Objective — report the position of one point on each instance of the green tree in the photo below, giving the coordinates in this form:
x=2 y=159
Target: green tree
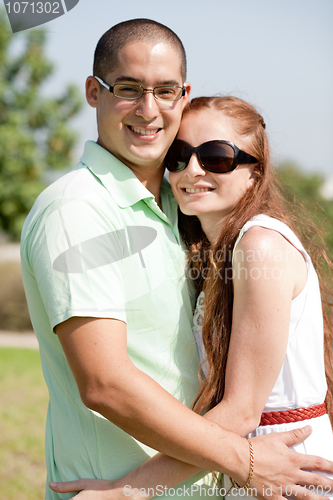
x=34 y=132
x=315 y=216
x=304 y=192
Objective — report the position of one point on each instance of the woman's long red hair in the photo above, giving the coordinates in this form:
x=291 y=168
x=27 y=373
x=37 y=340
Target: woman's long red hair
x=208 y=266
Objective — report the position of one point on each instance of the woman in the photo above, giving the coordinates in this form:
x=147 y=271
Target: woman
x=258 y=321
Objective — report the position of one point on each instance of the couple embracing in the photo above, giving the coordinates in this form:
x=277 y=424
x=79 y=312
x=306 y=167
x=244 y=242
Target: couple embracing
x=129 y=371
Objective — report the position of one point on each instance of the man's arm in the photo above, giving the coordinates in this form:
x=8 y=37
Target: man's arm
x=110 y=384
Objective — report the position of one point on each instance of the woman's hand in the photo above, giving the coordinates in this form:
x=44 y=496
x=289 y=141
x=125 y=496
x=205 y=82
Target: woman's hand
x=98 y=489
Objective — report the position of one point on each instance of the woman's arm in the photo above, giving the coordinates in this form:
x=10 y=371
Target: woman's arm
x=268 y=272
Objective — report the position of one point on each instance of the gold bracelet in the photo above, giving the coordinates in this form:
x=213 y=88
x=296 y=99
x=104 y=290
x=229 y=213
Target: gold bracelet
x=247 y=484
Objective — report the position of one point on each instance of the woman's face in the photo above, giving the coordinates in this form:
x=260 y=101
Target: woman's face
x=211 y=197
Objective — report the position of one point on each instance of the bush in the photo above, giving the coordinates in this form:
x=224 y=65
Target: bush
x=14 y=315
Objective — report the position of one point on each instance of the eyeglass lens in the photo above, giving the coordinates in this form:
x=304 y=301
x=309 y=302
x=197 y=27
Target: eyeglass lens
x=164 y=93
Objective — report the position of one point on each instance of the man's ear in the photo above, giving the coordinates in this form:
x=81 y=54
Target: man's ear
x=186 y=98
x=92 y=91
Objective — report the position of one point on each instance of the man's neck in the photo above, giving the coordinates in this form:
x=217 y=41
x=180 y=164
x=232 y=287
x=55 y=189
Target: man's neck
x=150 y=177
x=152 y=181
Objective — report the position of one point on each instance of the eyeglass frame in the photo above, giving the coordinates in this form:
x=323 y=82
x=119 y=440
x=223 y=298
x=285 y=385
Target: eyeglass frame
x=111 y=87
x=240 y=157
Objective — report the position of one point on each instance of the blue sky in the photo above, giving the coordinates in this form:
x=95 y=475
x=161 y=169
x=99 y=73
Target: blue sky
x=277 y=54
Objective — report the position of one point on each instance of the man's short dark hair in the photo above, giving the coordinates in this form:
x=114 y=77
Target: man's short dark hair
x=134 y=30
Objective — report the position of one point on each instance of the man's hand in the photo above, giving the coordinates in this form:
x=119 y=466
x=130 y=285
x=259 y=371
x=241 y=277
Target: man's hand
x=280 y=471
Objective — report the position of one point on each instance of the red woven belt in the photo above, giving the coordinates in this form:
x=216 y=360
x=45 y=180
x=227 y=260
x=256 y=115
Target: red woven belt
x=283 y=417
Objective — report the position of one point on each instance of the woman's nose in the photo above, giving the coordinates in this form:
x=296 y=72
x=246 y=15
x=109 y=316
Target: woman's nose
x=194 y=167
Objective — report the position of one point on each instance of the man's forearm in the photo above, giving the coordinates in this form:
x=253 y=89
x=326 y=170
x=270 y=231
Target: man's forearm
x=137 y=404
x=167 y=472
x=133 y=401
x=150 y=414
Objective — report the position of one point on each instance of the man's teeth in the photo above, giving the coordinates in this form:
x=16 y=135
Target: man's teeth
x=143 y=131
x=203 y=190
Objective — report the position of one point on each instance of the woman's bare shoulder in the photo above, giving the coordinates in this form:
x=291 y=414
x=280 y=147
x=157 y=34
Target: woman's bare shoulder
x=267 y=244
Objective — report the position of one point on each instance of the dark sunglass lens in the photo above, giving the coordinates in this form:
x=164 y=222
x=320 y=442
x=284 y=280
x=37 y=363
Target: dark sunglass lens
x=176 y=165
x=217 y=157
x=178 y=156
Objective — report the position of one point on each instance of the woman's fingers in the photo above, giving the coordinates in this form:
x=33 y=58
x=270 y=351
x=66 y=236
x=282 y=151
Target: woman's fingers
x=67 y=487
x=90 y=487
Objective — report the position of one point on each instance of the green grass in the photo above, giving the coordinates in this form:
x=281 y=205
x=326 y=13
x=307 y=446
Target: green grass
x=23 y=406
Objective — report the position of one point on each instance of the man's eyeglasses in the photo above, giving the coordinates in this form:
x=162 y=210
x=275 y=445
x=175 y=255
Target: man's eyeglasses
x=132 y=92
x=219 y=157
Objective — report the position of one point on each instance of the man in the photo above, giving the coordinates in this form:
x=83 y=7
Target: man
x=103 y=268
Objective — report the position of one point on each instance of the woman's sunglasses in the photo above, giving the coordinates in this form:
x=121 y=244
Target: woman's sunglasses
x=219 y=157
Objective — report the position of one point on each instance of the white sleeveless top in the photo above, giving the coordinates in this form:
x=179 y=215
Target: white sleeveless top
x=301 y=381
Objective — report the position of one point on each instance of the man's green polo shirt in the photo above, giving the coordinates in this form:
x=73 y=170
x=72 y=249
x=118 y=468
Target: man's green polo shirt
x=96 y=244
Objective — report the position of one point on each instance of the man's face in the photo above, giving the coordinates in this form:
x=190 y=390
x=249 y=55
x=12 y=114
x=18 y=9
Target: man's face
x=139 y=132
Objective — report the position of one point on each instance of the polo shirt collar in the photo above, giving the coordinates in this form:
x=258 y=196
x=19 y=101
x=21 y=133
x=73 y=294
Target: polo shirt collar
x=117 y=178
